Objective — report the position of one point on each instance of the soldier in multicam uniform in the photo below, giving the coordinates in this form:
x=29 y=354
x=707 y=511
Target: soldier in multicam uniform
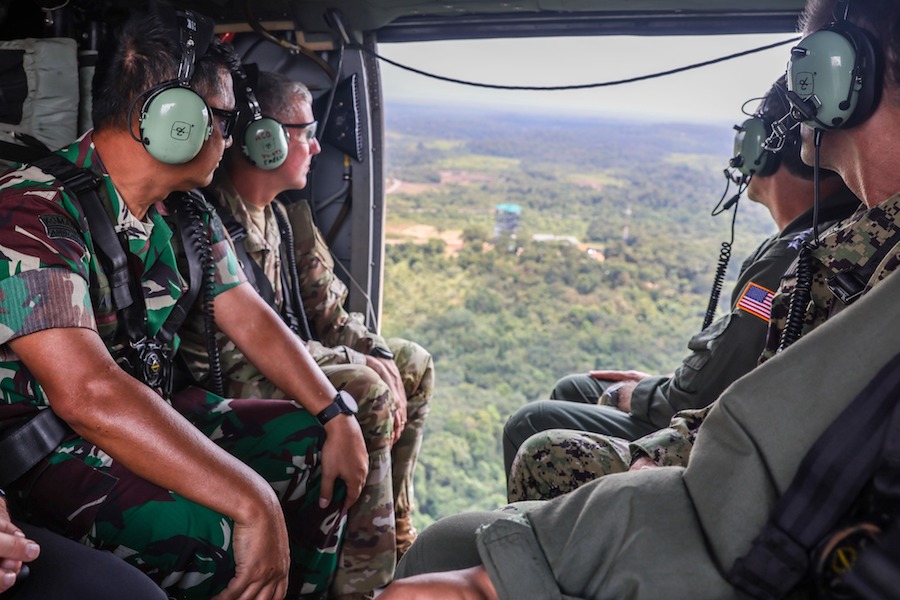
x=160 y=481
x=388 y=391
x=556 y=461
x=637 y=534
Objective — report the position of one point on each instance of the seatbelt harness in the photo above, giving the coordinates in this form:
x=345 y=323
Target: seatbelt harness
x=25 y=446
x=829 y=480
x=293 y=313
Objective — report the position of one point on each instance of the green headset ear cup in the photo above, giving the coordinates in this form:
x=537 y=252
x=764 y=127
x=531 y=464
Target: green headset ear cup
x=175 y=122
x=841 y=68
x=750 y=154
x=870 y=70
x=265 y=143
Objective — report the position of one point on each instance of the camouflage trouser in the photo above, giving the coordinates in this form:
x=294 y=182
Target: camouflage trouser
x=183 y=546
x=417 y=370
x=557 y=461
x=368 y=554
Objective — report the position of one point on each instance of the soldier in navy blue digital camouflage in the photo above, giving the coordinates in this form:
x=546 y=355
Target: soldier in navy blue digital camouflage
x=210 y=497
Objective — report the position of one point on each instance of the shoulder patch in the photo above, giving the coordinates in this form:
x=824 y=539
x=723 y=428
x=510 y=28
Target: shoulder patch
x=756 y=300
x=59 y=227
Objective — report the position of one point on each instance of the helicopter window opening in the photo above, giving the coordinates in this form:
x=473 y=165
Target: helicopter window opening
x=581 y=86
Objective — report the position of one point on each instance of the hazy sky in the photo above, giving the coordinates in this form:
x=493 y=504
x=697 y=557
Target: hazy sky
x=713 y=93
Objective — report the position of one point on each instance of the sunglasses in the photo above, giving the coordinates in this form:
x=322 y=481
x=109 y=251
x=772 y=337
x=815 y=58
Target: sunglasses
x=226 y=120
x=309 y=129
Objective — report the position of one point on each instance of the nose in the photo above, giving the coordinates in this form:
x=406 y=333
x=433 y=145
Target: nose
x=315 y=147
x=229 y=141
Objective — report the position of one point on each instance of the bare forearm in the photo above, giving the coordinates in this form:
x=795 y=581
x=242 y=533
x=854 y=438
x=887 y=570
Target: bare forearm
x=136 y=427
x=269 y=345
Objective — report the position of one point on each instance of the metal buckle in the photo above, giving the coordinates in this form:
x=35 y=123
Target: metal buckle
x=153 y=365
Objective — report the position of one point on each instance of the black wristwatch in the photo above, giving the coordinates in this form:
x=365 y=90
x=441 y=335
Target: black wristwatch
x=382 y=353
x=343 y=404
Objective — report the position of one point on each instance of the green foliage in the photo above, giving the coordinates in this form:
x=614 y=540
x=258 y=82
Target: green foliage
x=504 y=322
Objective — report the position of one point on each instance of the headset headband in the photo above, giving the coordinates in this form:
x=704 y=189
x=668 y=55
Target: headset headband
x=195 y=33
x=247 y=76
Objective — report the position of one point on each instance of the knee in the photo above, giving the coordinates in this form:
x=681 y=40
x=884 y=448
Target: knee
x=416 y=367
x=376 y=417
x=565 y=387
x=184 y=545
x=521 y=425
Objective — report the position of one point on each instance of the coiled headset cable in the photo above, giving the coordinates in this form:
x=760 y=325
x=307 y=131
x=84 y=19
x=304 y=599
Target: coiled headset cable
x=802 y=292
x=725 y=251
x=202 y=248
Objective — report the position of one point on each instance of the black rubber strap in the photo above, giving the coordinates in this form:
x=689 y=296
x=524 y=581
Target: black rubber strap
x=26 y=445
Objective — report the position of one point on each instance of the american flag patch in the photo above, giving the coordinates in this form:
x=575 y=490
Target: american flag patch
x=757 y=301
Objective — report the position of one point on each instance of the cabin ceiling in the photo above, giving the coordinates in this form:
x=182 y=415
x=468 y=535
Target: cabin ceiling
x=417 y=20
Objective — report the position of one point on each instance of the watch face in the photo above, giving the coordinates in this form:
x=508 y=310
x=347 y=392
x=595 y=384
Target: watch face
x=349 y=403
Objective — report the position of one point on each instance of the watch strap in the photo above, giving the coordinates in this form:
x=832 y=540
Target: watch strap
x=338 y=406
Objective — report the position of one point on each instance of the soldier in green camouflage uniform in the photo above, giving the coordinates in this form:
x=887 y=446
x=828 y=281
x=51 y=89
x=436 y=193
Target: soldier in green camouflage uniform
x=556 y=461
x=369 y=552
x=160 y=481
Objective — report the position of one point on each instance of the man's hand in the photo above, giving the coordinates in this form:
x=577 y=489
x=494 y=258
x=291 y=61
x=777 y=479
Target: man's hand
x=390 y=374
x=261 y=556
x=629 y=381
x=343 y=456
x=467 y=584
x=285 y=361
x=644 y=462
x=15 y=549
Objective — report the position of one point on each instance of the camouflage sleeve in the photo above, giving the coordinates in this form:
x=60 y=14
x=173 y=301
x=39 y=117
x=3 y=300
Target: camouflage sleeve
x=339 y=355
x=671 y=447
x=322 y=291
x=44 y=265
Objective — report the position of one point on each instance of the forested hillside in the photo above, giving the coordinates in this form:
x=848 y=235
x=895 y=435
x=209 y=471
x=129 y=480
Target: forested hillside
x=505 y=318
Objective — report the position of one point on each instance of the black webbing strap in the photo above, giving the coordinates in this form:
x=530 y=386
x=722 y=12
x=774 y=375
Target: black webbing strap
x=849 y=285
x=828 y=482
x=255 y=275
x=294 y=311
x=26 y=445
x=83 y=183
x=18 y=153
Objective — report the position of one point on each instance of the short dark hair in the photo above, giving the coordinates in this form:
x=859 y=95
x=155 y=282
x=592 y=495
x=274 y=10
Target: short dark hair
x=144 y=52
x=881 y=18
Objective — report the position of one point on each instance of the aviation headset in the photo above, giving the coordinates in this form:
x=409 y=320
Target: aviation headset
x=264 y=140
x=835 y=74
x=753 y=155
x=174 y=120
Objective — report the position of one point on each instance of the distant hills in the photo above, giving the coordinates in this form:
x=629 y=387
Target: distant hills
x=505 y=318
